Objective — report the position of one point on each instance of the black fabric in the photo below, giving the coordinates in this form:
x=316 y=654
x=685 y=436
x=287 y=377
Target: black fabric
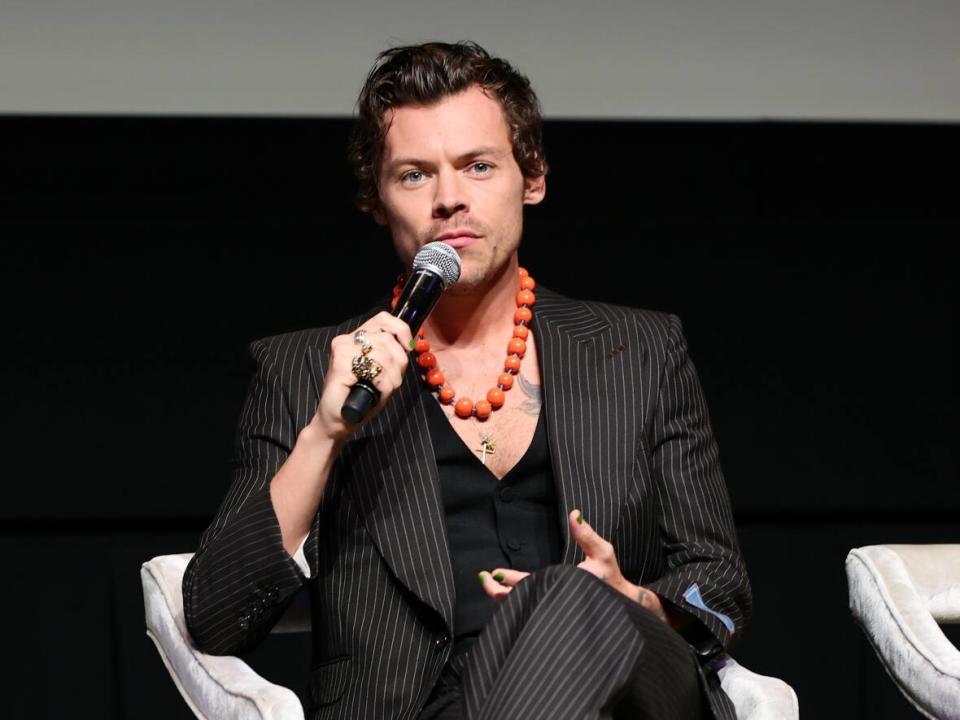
x=446 y=700
x=491 y=523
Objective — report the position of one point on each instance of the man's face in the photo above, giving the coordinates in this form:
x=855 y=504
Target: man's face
x=448 y=173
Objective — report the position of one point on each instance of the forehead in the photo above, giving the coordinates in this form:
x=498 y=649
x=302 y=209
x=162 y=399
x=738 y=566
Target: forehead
x=451 y=126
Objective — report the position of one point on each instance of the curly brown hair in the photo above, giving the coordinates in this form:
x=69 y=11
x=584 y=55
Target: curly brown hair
x=425 y=74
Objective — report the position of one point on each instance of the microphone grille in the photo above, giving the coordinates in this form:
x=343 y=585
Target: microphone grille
x=440 y=259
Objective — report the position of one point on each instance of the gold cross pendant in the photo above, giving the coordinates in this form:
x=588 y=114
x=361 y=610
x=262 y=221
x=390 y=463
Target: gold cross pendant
x=487 y=447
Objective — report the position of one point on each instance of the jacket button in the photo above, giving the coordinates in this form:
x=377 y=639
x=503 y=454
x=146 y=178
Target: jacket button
x=506 y=494
x=440 y=643
x=514 y=544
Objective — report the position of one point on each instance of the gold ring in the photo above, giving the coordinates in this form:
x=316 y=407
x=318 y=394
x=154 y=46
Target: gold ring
x=366 y=368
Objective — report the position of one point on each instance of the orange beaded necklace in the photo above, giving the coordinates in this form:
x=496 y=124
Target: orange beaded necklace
x=464 y=407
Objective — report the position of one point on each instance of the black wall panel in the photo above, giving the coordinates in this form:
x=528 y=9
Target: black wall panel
x=811 y=263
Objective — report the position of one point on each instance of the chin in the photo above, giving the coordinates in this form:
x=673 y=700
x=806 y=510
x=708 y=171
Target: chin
x=472 y=278
x=465 y=286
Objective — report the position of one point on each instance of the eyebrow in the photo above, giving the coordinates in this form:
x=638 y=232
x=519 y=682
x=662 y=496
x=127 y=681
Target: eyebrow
x=475 y=152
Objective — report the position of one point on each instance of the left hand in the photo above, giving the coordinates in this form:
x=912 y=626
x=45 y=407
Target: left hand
x=601 y=562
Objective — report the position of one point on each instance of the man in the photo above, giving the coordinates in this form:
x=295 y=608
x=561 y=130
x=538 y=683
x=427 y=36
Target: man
x=587 y=459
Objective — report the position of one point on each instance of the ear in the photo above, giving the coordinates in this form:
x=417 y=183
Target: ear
x=534 y=189
x=378 y=215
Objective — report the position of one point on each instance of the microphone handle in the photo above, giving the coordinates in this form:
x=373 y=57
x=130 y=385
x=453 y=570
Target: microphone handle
x=419 y=296
x=362 y=397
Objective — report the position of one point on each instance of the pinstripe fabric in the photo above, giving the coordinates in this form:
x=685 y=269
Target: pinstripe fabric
x=630 y=444
x=566 y=645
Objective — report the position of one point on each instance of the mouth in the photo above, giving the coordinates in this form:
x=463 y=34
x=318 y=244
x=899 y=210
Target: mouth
x=457 y=238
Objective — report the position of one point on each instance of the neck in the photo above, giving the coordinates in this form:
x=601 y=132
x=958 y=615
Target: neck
x=472 y=317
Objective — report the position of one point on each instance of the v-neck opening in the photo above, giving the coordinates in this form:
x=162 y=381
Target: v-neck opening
x=524 y=459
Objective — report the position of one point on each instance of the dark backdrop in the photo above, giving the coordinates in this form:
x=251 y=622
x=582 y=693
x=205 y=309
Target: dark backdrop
x=811 y=264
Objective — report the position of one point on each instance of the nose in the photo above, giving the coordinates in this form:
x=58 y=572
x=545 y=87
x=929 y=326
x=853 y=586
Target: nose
x=450 y=197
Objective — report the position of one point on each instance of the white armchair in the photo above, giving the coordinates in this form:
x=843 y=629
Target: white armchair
x=226 y=687
x=898 y=595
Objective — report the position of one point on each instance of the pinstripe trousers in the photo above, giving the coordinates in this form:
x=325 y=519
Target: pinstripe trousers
x=566 y=645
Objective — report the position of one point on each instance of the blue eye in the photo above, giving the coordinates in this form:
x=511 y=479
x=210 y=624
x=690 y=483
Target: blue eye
x=412 y=176
x=481 y=168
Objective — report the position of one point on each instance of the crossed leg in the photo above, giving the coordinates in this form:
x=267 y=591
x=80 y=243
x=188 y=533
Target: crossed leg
x=566 y=645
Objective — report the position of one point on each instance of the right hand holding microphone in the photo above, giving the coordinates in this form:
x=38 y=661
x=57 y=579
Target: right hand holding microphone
x=436 y=266
x=366 y=367
x=382 y=341
x=299 y=484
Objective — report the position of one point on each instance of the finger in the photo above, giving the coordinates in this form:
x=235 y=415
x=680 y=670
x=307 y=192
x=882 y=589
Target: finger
x=386 y=347
x=384 y=350
x=651 y=601
x=342 y=350
x=595 y=568
x=648 y=599
x=391 y=325
x=593 y=545
x=387 y=382
x=493 y=588
x=508 y=577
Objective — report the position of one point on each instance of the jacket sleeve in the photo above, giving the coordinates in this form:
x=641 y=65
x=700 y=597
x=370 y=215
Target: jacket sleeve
x=241 y=578
x=705 y=575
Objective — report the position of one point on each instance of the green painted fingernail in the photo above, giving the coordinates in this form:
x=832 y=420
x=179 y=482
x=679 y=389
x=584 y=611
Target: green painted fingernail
x=480 y=577
x=579 y=518
x=413 y=343
x=499 y=577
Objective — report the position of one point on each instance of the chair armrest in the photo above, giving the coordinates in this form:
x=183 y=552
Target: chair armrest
x=935 y=573
x=893 y=590
x=757 y=697
x=213 y=686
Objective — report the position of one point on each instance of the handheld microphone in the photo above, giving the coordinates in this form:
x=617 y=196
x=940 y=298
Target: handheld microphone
x=435 y=268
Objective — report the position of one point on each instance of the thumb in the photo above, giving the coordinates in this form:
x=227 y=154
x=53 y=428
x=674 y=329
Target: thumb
x=592 y=544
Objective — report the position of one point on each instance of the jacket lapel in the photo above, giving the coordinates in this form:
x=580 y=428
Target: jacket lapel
x=395 y=480
x=591 y=446
x=396 y=486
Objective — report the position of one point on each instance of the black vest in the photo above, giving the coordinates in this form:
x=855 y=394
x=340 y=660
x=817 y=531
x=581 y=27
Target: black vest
x=509 y=523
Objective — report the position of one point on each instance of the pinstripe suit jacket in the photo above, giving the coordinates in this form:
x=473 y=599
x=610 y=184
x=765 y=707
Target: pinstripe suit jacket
x=630 y=443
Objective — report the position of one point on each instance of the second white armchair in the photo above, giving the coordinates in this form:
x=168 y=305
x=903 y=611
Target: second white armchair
x=900 y=594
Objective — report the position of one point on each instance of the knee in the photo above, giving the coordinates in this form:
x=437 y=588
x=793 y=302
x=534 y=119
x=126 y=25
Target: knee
x=553 y=574
x=560 y=576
